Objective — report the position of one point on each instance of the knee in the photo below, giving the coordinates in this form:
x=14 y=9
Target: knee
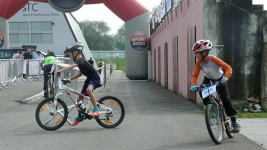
x=89 y=91
x=80 y=97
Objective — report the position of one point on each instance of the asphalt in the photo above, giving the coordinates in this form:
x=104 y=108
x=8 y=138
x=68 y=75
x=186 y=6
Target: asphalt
x=30 y=91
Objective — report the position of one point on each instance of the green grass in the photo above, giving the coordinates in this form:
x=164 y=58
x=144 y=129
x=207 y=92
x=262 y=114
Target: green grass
x=120 y=63
x=242 y=115
x=252 y=115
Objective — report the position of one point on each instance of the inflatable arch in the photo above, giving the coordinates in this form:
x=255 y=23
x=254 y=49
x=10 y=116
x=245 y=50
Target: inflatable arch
x=136 y=19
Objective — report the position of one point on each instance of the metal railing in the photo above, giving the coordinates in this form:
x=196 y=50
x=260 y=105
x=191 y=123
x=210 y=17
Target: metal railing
x=16 y=71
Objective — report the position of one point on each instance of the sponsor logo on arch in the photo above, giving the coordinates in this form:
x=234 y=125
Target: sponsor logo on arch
x=138 y=41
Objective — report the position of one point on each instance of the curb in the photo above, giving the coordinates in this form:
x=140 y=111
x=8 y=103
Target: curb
x=33 y=98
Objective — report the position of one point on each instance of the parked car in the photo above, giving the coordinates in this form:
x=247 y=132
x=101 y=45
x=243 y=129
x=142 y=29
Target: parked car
x=8 y=53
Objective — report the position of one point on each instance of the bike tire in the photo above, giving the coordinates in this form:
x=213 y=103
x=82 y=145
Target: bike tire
x=214 y=123
x=228 y=127
x=50 y=89
x=49 y=121
x=113 y=119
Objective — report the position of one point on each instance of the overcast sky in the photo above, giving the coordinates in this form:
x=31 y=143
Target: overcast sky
x=101 y=12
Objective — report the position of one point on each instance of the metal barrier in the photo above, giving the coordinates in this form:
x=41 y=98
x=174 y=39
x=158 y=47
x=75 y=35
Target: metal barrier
x=103 y=77
x=12 y=70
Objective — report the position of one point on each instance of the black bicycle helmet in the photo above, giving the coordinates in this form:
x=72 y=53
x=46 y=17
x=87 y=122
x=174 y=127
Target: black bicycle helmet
x=51 y=53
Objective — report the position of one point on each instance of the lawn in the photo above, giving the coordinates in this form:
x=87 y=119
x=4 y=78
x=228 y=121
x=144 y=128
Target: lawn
x=120 y=63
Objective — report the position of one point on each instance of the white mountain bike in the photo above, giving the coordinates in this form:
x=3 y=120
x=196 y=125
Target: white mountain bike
x=52 y=113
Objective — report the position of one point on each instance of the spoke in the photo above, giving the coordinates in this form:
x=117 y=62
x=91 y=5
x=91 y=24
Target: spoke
x=50 y=119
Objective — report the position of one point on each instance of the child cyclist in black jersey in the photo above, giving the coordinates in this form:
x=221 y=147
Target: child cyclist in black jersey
x=214 y=69
x=93 y=80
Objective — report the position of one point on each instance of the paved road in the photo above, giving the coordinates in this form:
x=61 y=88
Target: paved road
x=156 y=119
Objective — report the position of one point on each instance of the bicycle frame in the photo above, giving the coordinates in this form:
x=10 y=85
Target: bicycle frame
x=215 y=99
x=63 y=88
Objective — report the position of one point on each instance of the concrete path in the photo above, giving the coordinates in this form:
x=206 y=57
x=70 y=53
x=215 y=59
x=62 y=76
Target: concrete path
x=253 y=129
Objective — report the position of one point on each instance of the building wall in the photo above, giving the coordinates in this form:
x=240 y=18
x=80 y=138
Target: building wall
x=238 y=25
x=188 y=15
x=40 y=12
x=4 y=31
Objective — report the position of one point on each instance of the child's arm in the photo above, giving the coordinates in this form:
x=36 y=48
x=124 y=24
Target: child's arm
x=76 y=76
x=67 y=68
x=227 y=68
x=195 y=73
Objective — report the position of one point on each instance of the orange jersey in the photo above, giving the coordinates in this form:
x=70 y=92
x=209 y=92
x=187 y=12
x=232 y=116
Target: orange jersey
x=212 y=70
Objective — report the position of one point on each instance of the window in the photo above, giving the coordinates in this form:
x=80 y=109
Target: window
x=19 y=38
x=2 y=54
x=33 y=32
x=41 y=26
x=19 y=26
x=41 y=38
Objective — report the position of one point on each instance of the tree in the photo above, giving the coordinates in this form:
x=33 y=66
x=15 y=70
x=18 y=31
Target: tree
x=96 y=35
x=119 y=38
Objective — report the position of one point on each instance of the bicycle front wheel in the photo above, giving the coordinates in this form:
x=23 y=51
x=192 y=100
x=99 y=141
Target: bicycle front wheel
x=50 y=116
x=114 y=112
x=214 y=123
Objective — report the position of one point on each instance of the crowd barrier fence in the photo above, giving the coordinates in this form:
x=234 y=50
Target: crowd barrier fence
x=13 y=71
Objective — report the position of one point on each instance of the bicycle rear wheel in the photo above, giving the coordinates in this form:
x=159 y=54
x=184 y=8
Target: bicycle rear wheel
x=214 y=123
x=51 y=87
x=115 y=117
x=49 y=119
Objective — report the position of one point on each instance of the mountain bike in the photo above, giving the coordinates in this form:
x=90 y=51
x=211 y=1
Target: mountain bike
x=52 y=113
x=215 y=117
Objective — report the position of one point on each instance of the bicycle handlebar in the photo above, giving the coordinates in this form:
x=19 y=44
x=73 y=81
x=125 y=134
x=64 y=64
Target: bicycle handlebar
x=64 y=80
x=202 y=86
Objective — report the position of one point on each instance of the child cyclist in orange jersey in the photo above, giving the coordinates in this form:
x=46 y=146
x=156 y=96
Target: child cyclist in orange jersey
x=214 y=69
x=92 y=82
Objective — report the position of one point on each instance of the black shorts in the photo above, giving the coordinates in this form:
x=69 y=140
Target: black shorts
x=94 y=80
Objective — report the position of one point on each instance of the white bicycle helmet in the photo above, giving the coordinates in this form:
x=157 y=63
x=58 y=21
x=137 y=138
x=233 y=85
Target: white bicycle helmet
x=202 y=45
x=72 y=47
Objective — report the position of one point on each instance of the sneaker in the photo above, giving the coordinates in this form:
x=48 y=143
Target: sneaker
x=236 y=127
x=45 y=95
x=77 y=120
x=94 y=113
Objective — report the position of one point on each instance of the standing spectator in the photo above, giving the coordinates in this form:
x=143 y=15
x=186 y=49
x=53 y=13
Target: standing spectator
x=101 y=63
x=91 y=61
x=39 y=56
x=17 y=55
x=46 y=64
x=28 y=54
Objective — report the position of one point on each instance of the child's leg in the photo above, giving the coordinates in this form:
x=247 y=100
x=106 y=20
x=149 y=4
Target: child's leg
x=223 y=91
x=89 y=92
x=229 y=110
